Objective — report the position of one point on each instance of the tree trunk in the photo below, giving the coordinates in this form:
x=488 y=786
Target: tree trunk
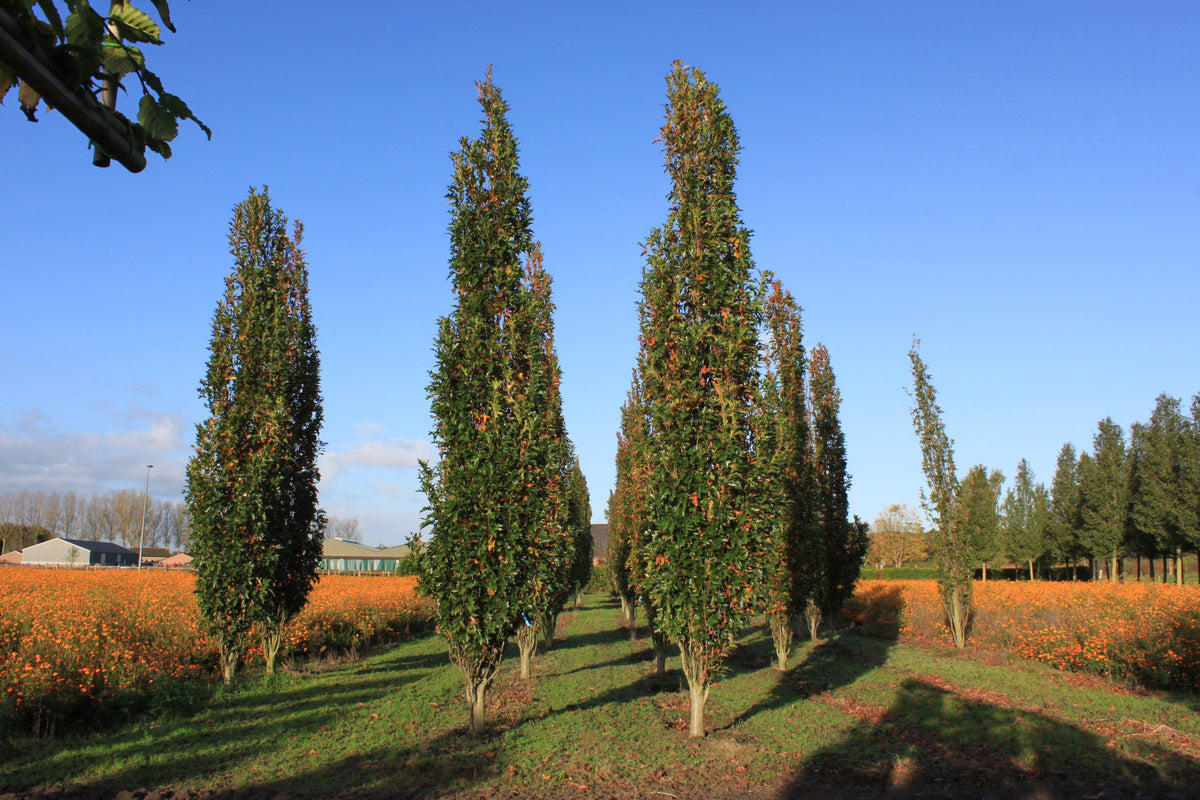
x=629 y=609
x=272 y=639
x=660 y=653
x=527 y=641
x=476 y=697
x=812 y=614
x=695 y=668
x=549 y=625
x=956 y=612
x=781 y=635
x=1150 y=561
x=985 y=572
x=1114 y=577
x=1179 y=565
x=229 y=658
x=1031 y=569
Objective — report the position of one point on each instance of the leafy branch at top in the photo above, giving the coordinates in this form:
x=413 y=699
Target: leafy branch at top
x=94 y=53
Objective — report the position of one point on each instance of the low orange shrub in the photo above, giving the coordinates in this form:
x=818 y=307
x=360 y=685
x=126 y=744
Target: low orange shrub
x=77 y=643
x=1149 y=633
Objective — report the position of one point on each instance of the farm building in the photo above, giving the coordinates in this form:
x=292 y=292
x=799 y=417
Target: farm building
x=153 y=556
x=339 y=555
x=177 y=560
x=599 y=541
x=11 y=557
x=78 y=552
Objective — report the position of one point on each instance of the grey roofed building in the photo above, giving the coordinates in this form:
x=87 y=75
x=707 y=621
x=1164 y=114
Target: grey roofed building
x=339 y=555
x=78 y=552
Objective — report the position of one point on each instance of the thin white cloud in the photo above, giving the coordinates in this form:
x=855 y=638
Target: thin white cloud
x=389 y=454
x=370 y=430
x=34 y=456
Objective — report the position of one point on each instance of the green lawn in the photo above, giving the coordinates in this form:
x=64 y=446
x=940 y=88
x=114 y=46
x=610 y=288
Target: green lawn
x=853 y=717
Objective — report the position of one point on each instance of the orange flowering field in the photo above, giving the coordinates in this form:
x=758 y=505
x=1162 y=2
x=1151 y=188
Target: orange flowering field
x=86 y=642
x=1149 y=633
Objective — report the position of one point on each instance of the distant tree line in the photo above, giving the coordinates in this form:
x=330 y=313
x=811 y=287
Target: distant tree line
x=1130 y=497
x=27 y=517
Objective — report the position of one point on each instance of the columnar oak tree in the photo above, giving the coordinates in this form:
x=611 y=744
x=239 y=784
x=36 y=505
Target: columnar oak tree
x=843 y=541
x=794 y=552
x=698 y=365
x=952 y=550
x=627 y=511
x=497 y=484
x=252 y=481
x=579 y=520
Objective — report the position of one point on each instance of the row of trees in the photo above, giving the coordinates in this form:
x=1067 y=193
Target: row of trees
x=1135 y=498
x=507 y=502
x=1138 y=498
x=31 y=516
x=731 y=495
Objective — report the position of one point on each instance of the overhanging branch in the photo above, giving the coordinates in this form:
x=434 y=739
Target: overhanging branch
x=106 y=130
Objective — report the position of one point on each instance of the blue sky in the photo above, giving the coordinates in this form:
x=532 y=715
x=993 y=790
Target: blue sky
x=1018 y=184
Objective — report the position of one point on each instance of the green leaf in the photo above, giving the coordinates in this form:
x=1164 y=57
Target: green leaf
x=134 y=25
x=158 y=121
x=181 y=111
x=164 y=11
x=52 y=16
x=162 y=148
x=85 y=28
x=123 y=60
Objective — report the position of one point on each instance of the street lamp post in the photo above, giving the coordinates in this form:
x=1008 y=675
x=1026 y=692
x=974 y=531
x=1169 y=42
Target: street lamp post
x=145 y=502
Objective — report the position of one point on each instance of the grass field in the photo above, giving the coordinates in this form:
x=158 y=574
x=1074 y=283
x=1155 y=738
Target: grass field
x=855 y=717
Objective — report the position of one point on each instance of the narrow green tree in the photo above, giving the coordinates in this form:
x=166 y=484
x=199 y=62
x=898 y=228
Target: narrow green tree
x=579 y=520
x=496 y=488
x=627 y=506
x=1104 y=492
x=1063 y=523
x=698 y=365
x=979 y=514
x=782 y=439
x=952 y=549
x=1162 y=506
x=1024 y=519
x=843 y=541
x=252 y=481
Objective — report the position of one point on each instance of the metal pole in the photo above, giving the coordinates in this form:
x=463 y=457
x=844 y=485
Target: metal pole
x=145 y=502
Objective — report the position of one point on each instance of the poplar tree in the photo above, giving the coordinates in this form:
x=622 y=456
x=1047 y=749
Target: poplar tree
x=698 y=358
x=843 y=541
x=252 y=481
x=495 y=493
x=794 y=554
x=952 y=549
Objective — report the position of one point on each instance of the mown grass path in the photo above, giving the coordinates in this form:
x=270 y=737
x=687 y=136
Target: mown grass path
x=855 y=717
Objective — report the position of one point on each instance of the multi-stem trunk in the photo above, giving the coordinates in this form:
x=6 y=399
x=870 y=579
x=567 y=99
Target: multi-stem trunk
x=696 y=668
x=272 y=640
x=230 y=655
x=812 y=615
x=781 y=635
x=527 y=642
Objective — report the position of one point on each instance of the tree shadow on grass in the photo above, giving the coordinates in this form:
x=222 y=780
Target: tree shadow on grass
x=936 y=741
